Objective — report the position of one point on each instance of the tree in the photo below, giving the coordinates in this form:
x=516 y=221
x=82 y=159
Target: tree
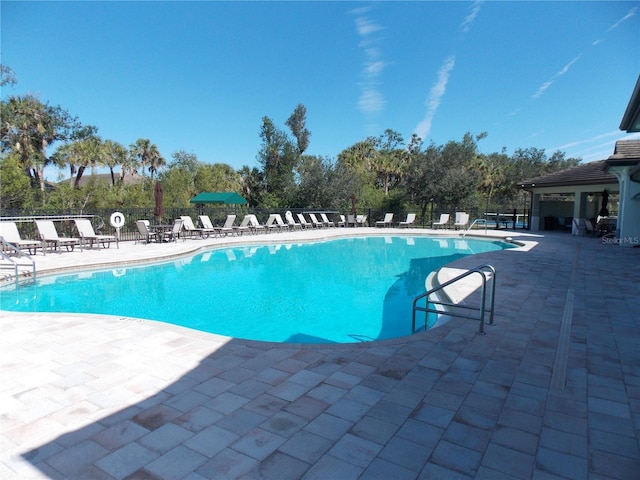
x=148 y=155
x=14 y=184
x=7 y=76
x=252 y=185
x=297 y=123
x=114 y=154
x=29 y=127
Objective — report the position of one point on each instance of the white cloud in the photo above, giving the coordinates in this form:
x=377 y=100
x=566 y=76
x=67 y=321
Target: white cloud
x=630 y=14
x=468 y=20
x=543 y=88
x=366 y=27
x=435 y=95
x=371 y=100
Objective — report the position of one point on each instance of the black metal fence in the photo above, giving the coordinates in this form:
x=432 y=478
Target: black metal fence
x=100 y=219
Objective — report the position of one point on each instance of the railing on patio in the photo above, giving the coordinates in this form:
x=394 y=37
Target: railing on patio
x=8 y=247
x=486 y=272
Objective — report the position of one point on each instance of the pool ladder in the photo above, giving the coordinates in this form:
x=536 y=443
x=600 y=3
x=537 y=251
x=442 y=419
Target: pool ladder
x=8 y=247
x=487 y=274
x=477 y=221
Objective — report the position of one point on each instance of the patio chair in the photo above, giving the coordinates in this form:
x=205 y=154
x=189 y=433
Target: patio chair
x=315 y=222
x=9 y=231
x=86 y=232
x=49 y=236
x=191 y=229
x=462 y=220
x=254 y=225
x=361 y=220
x=227 y=228
x=272 y=222
x=411 y=217
x=342 y=222
x=144 y=232
x=388 y=219
x=303 y=221
x=351 y=220
x=443 y=222
x=326 y=221
x=173 y=234
x=293 y=225
x=244 y=225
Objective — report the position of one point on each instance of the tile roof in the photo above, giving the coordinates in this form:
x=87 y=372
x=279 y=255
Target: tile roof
x=591 y=173
x=626 y=151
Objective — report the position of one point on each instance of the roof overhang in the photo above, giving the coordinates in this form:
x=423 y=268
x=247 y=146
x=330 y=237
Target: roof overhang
x=631 y=118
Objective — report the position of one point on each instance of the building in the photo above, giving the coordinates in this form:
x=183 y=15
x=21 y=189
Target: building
x=567 y=198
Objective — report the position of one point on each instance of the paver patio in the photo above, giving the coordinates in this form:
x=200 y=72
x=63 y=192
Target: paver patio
x=551 y=391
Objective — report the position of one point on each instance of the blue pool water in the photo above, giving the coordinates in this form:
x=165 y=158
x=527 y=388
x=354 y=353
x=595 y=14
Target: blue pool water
x=346 y=290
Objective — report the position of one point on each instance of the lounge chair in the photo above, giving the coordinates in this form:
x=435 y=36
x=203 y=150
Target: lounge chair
x=244 y=225
x=190 y=228
x=443 y=222
x=254 y=225
x=303 y=221
x=315 y=222
x=144 y=232
x=388 y=219
x=462 y=220
x=280 y=222
x=173 y=234
x=293 y=225
x=326 y=221
x=342 y=222
x=49 y=235
x=272 y=222
x=361 y=220
x=227 y=228
x=9 y=231
x=86 y=232
x=351 y=220
x=411 y=217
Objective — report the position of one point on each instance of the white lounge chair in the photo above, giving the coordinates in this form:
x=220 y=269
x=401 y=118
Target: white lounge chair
x=388 y=220
x=272 y=222
x=361 y=220
x=9 y=231
x=293 y=225
x=244 y=225
x=173 y=234
x=227 y=228
x=326 y=221
x=351 y=220
x=342 y=222
x=462 y=220
x=303 y=221
x=190 y=228
x=49 y=235
x=86 y=232
x=315 y=222
x=254 y=225
x=411 y=217
x=443 y=222
x=144 y=232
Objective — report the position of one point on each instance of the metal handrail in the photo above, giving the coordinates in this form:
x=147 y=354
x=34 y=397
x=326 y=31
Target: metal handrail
x=486 y=272
x=10 y=246
x=476 y=221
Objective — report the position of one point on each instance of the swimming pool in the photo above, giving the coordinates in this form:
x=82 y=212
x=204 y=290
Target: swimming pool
x=343 y=290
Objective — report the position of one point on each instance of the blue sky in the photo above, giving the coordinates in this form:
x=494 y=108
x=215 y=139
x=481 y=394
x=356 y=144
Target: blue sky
x=199 y=76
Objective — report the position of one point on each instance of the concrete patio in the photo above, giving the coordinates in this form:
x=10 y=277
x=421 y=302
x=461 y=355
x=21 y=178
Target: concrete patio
x=552 y=391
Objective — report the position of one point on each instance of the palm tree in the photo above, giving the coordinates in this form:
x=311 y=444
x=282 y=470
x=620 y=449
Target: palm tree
x=114 y=154
x=148 y=154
